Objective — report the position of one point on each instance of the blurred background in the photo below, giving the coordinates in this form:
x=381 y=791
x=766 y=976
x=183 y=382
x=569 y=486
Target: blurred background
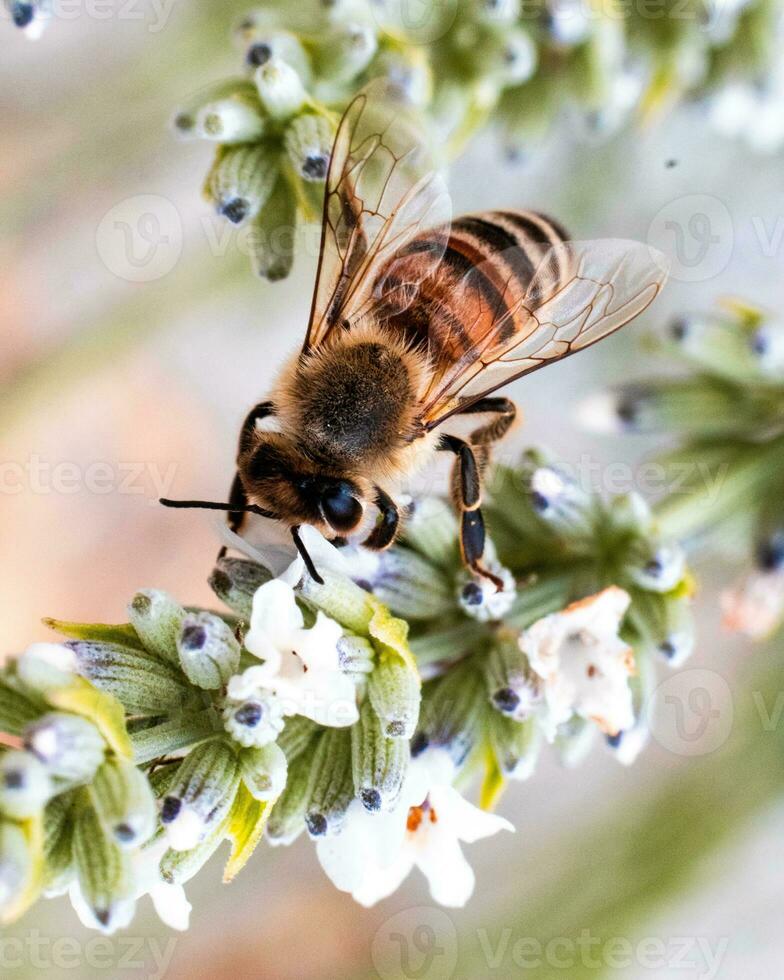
x=134 y=340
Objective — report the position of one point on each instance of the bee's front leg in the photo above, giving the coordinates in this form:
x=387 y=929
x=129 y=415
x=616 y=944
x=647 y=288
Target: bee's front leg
x=467 y=495
x=385 y=532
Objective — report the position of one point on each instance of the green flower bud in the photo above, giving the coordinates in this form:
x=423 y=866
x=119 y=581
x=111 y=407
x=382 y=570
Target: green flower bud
x=25 y=785
x=280 y=89
x=664 y=622
x=512 y=686
x=453 y=712
x=185 y=119
x=264 y=771
x=568 y=509
x=516 y=744
x=297 y=735
x=157 y=618
x=59 y=868
x=103 y=869
x=178 y=867
x=287 y=817
x=44 y=667
x=236 y=119
x=208 y=649
x=254 y=722
x=345 y=52
x=308 y=142
x=654 y=566
x=241 y=181
x=443 y=644
x=411 y=586
x=432 y=530
x=156 y=741
x=235 y=581
x=16 y=710
x=124 y=801
x=356 y=654
x=201 y=794
x=70 y=747
x=331 y=786
x=379 y=763
x=393 y=689
x=17 y=866
x=408 y=75
x=273 y=233
x=539 y=598
x=262 y=45
x=142 y=682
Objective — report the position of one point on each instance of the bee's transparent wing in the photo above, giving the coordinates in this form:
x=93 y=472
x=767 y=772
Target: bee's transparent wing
x=382 y=189
x=580 y=293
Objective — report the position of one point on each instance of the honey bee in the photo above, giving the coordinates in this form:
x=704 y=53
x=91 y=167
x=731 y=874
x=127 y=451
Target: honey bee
x=416 y=319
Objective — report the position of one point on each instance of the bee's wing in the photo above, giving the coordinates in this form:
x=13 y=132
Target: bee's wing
x=381 y=190
x=580 y=293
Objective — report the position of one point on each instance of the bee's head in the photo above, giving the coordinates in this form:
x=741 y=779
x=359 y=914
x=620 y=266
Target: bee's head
x=279 y=477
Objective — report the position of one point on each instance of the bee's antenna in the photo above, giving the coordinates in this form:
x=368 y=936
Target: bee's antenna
x=214 y=505
x=303 y=552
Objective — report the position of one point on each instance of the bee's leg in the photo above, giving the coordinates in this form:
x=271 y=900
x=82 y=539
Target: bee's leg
x=505 y=412
x=467 y=494
x=385 y=532
x=237 y=496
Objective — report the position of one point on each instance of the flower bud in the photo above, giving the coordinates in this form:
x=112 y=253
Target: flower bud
x=408 y=75
x=178 y=866
x=17 y=868
x=25 y=785
x=512 y=686
x=516 y=744
x=273 y=234
x=103 y=870
x=444 y=643
x=480 y=599
x=255 y=721
x=346 y=51
x=185 y=729
x=235 y=580
x=142 y=682
x=411 y=586
x=308 y=142
x=544 y=595
x=186 y=118
x=43 y=667
x=69 y=746
x=16 y=710
x=561 y=503
x=59 y=868
x=201 y=794
x=665 y=622
x=453 y=712
x=574 y=740
x=656 y=567
x=287 y=817
x=241 y=181
x=379 y=763
x=208 y=650
x=264 y=771
x=495 y=12
x=393 y=689
x=157 y=618
x=124 y=802
x=356 y=654
x=331 y=785
x=280 y=88
x=263 y=44
x=297 y=735
x=432 y=530
x=236 y=119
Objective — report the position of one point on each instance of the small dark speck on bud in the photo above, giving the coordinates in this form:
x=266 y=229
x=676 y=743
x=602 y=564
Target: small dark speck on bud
x=668 y=649
x=472 y=594
x=419 y=743
x=23 y=14
x=759 y=343
x=679 y=328
x=141 y=604
x=770 y=553
x=540 y=502
x=371 y=799
x=123 y=832
x=395 y=729
x=259 y=54
x=249 y=714
x=183 y=121
x=364 y=584
x=315 y=166
x=194 y=637
x=615 y=740
x=316 y=824
x=13 y=779
x=235 y=210
x=626 y=410
x=505 y=699
x=654 y=567
x=669 y=164
x=171 y=807
x=103 y=916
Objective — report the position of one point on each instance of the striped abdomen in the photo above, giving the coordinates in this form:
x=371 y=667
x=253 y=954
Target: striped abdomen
x=470 y=286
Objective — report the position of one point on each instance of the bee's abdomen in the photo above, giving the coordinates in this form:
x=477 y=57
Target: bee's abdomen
x=483 y=277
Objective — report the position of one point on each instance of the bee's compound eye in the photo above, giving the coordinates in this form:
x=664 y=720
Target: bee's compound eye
x=341 y=509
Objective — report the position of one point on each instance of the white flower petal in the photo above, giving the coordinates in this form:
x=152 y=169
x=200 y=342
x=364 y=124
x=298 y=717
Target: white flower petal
x=275 y=614
x=450 y=876
x=383 y=882
x=173 y=908
x=468 y=822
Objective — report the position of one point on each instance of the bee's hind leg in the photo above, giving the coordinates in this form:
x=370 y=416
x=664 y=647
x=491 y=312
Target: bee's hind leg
x=385 y=532
x=467 y=494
